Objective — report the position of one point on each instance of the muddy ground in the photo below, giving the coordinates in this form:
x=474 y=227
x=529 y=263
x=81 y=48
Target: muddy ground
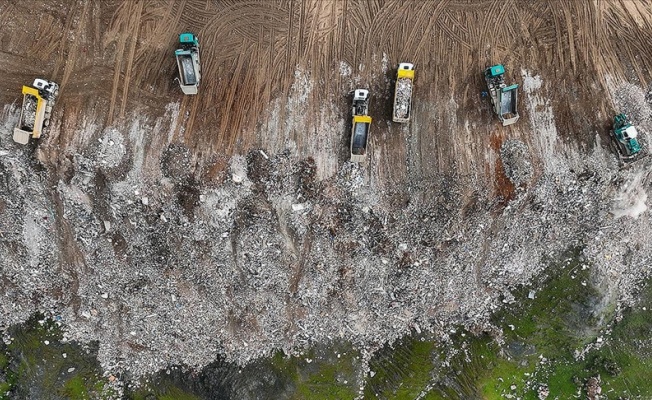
x=173 y=228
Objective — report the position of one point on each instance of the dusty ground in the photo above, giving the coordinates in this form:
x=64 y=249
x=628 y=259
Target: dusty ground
x=152 y=220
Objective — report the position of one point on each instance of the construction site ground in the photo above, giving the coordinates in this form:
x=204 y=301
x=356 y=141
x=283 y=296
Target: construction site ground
x=175 y=228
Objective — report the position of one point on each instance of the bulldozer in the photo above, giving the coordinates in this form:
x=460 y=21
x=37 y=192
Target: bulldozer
x=625 y=137
x=188 y=62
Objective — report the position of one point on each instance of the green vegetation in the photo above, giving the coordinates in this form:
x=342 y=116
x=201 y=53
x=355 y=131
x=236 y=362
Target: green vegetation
x=34 y=369
x=326 y=376
x=541 y=336
x=402 y=371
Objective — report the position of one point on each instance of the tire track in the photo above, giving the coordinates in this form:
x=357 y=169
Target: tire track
x=489 y=19
x=122 y=41
x=148 y=69
x=71 y=60
x=62 y=45
x=134 y=27
x=181 y=121
x=341 y=42
x=190 y=121
x=571 y=36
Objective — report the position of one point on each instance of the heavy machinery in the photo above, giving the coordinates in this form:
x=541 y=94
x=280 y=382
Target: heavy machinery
x=361 y=124
x=188 y=62
x=403 y=93
x=503 y=97
x=625 y=138
x=38 y=101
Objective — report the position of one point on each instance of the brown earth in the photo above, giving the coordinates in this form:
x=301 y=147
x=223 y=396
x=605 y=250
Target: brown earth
x=114 y=60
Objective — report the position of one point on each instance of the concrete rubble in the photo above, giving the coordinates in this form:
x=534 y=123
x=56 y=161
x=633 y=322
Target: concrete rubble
x=164 y=269
x=516 y=162
x=403 y=95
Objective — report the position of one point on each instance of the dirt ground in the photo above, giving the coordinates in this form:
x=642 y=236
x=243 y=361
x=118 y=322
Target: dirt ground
x=114 y=61
x=273 y=114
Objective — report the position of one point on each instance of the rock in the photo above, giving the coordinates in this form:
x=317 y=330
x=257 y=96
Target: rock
x=71 y=369
x=593 y=388
x=543 y=392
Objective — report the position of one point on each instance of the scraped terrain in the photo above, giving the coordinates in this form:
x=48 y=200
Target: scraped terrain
x=174 y=228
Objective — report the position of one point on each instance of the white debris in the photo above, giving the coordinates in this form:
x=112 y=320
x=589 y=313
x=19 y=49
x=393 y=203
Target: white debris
x=403 y=96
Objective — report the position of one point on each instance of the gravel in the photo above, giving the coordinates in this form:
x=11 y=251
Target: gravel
x=516 y=161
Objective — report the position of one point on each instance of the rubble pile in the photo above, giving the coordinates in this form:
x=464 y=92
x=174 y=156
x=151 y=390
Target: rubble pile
x=515 y=157
x=403 y=95
x=29 y=112
x=165 y=268
x=593 y=388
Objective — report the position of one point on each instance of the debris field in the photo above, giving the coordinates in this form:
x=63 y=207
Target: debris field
x=174 y=228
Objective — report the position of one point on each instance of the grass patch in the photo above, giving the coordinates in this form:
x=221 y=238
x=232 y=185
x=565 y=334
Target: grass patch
x=75 y=389
x=402 y=371
x=326 y=376
x=540 y=338
x=40 y=370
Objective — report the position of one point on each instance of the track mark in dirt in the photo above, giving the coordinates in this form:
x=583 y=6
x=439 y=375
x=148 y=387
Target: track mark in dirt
x=182 y=118
x=431 y=22
x=194 y=105
x=61 y=59
x=74 y=49
x=132 y=31
x=117 y=29
x=72 y=261
x=489 y=20
x=504 y=188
